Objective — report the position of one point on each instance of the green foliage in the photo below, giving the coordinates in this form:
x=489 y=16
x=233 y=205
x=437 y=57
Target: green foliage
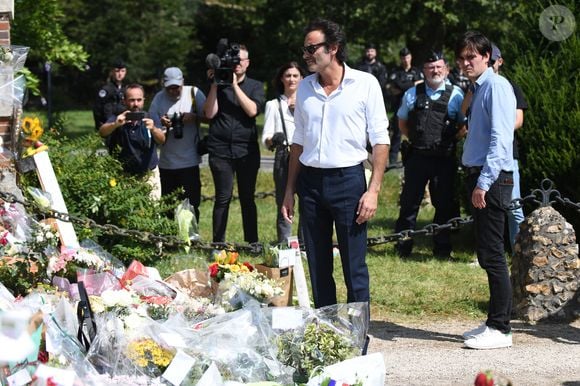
x=148 y=35
x=38 y=25
x=547 y=72
x=94 y=186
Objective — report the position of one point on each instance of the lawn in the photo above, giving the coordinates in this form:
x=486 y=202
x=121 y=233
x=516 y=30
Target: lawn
x=418 y=287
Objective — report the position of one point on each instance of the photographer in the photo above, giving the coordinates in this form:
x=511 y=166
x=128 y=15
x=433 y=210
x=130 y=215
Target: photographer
x=233 y=142
x=177 y=108
x=277 y=135
x=132 y=135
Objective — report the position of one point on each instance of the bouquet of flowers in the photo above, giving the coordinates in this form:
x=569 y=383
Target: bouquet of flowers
x=23 y=261
x=149 y=356
x=70 y=260
x=227 y=262
x=254 y=283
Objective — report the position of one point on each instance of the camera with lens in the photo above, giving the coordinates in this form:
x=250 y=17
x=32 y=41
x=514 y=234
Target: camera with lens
x=224 y=61
x=177 y=125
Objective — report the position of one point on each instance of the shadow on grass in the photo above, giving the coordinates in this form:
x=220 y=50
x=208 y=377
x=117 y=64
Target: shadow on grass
x=390 y=331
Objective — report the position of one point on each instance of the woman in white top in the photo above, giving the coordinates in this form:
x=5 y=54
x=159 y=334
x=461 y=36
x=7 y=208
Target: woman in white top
x=278 y=131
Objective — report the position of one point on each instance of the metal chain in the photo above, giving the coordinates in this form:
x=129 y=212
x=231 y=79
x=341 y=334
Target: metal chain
x=256 y=248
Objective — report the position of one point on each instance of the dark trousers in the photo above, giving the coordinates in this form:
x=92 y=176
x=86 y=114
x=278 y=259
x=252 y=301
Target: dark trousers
x=395 y=134
x=330 y=197
x=283 y=229
x=186 y=178
x=246 y=171
x=489 y=234
x=440 y=172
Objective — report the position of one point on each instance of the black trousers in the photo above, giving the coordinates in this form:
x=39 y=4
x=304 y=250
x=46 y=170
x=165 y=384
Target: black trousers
x=186 y=178
x=330 y=197
x=223 y=170
x=440 y=173
x=489 y=235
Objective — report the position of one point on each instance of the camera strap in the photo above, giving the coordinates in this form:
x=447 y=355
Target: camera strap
x=282 y=119
x=194 y=109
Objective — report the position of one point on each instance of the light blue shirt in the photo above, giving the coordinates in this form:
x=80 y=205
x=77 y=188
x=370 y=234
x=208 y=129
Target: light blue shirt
x=491 y=124
x=453 y=107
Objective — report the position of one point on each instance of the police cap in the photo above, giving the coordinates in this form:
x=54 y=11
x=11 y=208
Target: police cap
x=370 y=45
x=118 y=63
x=404 y=52
x=434 y=56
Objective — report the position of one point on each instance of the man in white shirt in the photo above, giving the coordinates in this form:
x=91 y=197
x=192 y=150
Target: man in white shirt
x=337 y=108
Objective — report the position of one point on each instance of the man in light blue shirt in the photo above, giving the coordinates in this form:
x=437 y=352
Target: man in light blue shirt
x=429 y=116
x=488 y=161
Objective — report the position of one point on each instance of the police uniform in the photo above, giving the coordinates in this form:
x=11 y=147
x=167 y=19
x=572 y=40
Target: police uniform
x=109 y=102
x=431 y=117
x=402 y=80
x=459 y=80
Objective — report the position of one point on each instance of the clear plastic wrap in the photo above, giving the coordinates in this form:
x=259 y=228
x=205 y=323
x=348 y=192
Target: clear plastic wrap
x=238 y=344
x=328 y=335
x=187 y=227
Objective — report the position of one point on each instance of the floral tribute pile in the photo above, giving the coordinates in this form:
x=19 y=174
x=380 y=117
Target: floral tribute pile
x=125 y=325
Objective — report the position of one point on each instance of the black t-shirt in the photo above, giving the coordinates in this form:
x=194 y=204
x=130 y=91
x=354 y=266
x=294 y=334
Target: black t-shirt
x=521 y=104
x=232 y=134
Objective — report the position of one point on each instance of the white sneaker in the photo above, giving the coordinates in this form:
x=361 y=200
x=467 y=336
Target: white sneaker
x=489 y=339
x=476 y=331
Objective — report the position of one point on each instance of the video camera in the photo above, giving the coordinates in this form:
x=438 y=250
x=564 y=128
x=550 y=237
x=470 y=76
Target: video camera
x=227 y=56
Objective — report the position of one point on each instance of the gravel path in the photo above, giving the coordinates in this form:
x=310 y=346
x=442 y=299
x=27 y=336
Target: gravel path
x=432 y=353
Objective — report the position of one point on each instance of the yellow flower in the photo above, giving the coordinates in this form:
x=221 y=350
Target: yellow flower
x=234 y=268
x=113 y=182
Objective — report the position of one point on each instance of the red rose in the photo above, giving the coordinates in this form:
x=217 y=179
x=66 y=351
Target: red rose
x=249 y=266
x=213 y=270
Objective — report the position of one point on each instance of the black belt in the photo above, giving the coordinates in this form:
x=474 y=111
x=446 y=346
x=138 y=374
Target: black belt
x=327 y=171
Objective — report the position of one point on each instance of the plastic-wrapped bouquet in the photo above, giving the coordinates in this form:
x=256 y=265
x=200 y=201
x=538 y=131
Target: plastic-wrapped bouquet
x=150 y=356
x=70 y=260
x=226 y=262
x=24 y=257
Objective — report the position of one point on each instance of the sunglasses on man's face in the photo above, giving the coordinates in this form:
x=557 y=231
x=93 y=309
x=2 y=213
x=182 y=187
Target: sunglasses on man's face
x=311 y=49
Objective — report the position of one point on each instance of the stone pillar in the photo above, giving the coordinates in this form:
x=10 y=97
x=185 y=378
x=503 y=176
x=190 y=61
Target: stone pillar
x=545 y=270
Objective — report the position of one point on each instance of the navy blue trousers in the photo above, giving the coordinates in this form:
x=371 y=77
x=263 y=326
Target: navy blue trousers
x=329 y=197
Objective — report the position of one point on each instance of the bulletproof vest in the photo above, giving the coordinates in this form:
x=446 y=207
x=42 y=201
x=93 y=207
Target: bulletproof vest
x=431 y=131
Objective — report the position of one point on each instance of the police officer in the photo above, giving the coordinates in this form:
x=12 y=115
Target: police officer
x=110 y=97
x=370 y=63
x=458 y=78
x=428 y=116
x=401 y=79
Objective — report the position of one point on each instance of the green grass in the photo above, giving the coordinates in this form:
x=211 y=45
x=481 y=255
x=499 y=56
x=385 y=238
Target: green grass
x=415 y=288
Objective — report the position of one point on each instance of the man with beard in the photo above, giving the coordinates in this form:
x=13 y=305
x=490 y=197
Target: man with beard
x=132 y=135
x=429 y=116
x=336 y=109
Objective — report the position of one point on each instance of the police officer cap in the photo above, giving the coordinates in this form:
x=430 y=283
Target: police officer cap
x=118 y=63
x=404 y=52
x=370 y=45
x=434 y=56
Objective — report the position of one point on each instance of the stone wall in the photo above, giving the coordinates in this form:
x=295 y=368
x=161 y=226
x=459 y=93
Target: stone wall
x=546 y=268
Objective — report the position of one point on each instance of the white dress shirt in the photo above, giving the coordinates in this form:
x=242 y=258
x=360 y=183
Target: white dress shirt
x=333 y=129
x=272 y=121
